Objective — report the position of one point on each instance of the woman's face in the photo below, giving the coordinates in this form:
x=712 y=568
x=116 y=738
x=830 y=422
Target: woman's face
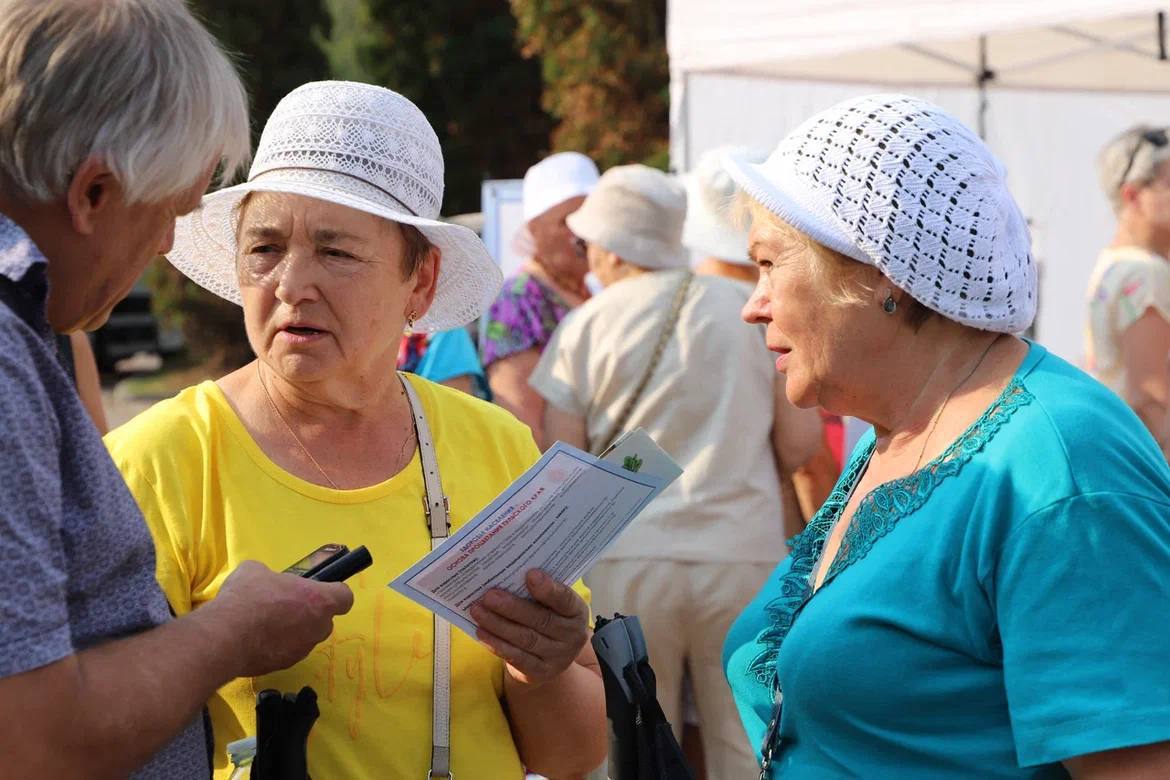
x=323 y=289
x=556 y=246
x=600 y=264
x=1153 y=201
x=826 y=350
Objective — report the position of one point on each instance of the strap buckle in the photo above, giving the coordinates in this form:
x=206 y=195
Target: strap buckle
x=446 y=507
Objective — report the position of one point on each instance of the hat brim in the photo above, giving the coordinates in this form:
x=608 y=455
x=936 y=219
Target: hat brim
x=752 y=179
x=641 y=251
x=708 y=234
x=205 y=247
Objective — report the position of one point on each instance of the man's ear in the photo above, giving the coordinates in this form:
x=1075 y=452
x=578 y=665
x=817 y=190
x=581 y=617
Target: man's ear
x=93 y=189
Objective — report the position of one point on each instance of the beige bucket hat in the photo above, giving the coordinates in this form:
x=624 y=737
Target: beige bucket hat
x=637 y=213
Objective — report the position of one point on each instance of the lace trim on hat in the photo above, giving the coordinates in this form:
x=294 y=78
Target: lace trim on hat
x=876 y=516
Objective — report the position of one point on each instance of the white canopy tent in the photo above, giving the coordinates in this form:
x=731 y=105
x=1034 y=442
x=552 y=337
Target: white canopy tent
x=1048 y=82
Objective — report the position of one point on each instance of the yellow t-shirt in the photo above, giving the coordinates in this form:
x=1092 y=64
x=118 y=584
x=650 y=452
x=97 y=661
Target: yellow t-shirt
x=213 y=499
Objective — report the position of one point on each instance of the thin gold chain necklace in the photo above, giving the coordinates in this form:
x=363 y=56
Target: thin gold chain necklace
x=408 y=439
x=291 y=432
x=947 y=400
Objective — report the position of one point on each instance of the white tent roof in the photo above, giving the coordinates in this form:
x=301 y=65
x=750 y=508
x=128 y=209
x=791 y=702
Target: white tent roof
x=1068 y=75
x=1112 y=45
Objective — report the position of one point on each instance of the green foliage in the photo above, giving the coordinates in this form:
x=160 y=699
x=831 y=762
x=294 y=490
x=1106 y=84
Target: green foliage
x=353 y=31
x=606 y=75
x=503 y=82
x=213 y=329
x=274 y=45
x=458 y=61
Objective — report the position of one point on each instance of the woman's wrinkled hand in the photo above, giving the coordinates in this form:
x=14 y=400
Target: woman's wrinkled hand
x=539 y=639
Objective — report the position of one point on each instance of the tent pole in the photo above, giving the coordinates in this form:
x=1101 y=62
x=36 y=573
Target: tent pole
x=982 y=80
x=1162 y=36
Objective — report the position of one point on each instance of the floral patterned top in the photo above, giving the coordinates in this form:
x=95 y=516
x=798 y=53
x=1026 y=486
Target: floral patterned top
x=523 y=317
x=1127 y=281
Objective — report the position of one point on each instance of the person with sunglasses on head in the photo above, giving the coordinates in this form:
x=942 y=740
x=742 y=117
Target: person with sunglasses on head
x=1128 y=335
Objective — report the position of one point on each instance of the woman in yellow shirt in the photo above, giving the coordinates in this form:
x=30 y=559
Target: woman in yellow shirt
x=332 y=247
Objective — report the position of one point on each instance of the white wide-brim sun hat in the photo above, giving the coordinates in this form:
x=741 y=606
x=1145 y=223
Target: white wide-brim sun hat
x=709 y=229
x=355 y=145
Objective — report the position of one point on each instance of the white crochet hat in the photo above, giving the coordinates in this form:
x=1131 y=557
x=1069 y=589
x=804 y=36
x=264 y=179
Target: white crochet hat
x=637 y=213
x=359 y=146
x=709 y=230
x=900 y=184
x=555 y=179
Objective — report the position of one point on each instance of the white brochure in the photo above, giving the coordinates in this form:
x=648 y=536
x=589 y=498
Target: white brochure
x=559 y=516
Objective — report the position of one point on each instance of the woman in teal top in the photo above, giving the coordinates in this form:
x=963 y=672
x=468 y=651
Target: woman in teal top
x=986 y=594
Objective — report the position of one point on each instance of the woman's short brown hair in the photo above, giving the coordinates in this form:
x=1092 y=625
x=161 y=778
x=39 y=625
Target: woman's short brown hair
x=417 y=247
x=847 y=281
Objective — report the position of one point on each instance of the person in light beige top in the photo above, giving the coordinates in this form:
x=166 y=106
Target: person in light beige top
x=713 y=235
x=689 y=563
x=1127 y=341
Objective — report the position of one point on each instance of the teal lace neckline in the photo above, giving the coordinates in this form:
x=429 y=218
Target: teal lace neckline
x=876 y=516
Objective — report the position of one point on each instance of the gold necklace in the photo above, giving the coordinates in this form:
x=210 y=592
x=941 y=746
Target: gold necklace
x=947 y=400
x=407 y=440
x=291 y=432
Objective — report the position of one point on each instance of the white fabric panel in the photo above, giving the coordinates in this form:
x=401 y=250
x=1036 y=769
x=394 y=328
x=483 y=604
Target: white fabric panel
x=856 y=39
x=1047 y=140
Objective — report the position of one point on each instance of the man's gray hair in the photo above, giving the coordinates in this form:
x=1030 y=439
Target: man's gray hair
x=139 y=84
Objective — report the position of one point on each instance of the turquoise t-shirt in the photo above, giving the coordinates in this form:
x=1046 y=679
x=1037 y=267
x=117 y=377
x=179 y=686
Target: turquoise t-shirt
x=1002 y=609
x=450 y=354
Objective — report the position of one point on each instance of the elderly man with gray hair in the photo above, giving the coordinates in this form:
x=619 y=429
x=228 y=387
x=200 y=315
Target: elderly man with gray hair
x=113 y=116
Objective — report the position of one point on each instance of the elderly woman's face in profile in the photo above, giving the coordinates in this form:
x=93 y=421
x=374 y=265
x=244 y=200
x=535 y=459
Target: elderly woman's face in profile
x=821 y=345
x=322 y=286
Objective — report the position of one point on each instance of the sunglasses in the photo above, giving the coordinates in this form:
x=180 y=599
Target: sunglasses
x=1155 y=138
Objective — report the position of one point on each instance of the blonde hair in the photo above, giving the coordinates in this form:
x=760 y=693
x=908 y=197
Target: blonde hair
x=846 y=281
x=139 y=84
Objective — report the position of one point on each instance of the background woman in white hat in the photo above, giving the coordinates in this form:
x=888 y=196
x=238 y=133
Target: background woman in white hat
x=655 y=350
x=712 y=235
x=551 y=282
x=333 y=248
x=984 y=595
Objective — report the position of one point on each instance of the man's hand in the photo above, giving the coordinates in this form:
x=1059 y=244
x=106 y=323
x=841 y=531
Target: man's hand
x=539 y=639
x=277 y=618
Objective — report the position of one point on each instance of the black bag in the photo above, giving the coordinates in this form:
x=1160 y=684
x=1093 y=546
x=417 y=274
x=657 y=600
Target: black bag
x=641 y=743
x=283 y=723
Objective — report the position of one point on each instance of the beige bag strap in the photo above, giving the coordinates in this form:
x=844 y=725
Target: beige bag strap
x=668 y=326
x=438 y=517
